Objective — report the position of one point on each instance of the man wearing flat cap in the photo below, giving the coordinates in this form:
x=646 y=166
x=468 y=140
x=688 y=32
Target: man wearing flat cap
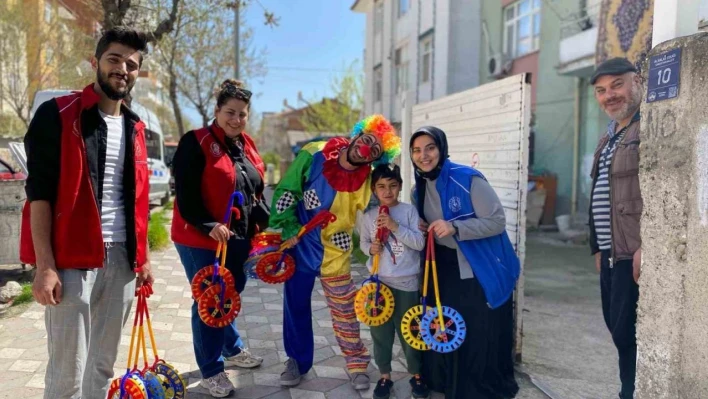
x=616 y=207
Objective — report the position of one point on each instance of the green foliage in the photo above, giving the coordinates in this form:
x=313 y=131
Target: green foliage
x=271 y=157
x=158 y=237
x=340 y=113
x=26 y=295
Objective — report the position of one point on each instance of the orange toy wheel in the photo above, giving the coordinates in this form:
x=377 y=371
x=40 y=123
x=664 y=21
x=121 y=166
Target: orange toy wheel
x=134 y=388
x=202 y=280
x=213 y=312
x=269 y=271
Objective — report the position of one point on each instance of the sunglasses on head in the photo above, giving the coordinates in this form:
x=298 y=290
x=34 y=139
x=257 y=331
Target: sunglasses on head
x=238 y=93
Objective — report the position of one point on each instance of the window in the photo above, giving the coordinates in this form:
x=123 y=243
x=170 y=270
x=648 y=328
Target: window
x=403 y=7
x=426 y=59
x=401 y=69
x=378 y=84
x=522 y=28
x=378 y=17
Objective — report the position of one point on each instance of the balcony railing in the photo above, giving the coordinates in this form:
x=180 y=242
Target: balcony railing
x=586 y=18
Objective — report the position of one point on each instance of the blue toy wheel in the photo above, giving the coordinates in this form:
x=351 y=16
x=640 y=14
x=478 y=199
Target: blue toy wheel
x=453 y=336
x=153 y=386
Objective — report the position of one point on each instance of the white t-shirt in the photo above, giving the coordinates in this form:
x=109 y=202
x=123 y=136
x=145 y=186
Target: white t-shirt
x=113 y=210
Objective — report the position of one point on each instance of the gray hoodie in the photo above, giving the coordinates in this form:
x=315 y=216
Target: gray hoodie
x=406 y=246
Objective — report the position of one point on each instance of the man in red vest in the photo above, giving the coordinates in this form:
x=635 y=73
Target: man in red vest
x=84 y=224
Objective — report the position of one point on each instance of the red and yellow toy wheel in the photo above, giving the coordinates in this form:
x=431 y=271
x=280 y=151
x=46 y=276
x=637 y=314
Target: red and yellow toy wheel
x=134 y=388
x=266 y=239
x=270 y=270
x=369 y=312
x=410 y=328
x=213 y=312
x=202 y=280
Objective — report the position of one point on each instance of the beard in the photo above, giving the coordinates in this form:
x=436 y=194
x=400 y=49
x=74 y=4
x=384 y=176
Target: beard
x=629 y=107
x=350 y=150
x=108 y=90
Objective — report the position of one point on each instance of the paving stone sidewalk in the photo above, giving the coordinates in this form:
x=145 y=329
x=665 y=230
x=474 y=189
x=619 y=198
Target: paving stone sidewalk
x=23 y=350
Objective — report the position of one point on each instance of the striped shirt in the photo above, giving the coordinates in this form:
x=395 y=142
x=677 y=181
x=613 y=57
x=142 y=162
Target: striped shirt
x=601 y=193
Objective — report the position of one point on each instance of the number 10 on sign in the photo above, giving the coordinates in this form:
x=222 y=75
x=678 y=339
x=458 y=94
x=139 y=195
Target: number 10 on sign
x=664 y=74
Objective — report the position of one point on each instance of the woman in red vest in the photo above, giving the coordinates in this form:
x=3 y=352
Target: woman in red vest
x=209 y=165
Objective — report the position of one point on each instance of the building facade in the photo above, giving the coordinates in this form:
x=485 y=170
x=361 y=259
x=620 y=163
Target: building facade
x=427 y=48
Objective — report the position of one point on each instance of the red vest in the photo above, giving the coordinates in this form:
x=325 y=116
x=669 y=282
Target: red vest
x=77 y=237
x=218 y=183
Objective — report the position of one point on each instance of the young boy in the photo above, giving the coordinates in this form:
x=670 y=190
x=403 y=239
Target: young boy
x=399 y=269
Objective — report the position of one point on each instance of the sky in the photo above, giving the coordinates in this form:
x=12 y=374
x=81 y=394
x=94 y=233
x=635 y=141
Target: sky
x=314 y=42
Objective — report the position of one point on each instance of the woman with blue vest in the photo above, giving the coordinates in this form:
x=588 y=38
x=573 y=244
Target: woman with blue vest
x=477 y=271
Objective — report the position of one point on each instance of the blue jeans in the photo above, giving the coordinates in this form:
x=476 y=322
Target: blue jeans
x=211 y=345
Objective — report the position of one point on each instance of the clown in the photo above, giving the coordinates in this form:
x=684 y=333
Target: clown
x=334 y=176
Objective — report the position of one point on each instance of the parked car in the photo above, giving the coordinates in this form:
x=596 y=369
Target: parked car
x=7 y=172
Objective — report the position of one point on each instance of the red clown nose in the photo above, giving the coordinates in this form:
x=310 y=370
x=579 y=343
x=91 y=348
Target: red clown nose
x=364 y=150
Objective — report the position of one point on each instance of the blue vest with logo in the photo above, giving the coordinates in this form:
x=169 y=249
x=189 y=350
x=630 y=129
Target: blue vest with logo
x=493 y=259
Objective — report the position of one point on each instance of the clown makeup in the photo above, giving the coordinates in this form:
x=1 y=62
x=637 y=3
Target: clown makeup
x=364 y=149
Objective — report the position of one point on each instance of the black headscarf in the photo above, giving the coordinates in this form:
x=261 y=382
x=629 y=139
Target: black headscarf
x=440 y=140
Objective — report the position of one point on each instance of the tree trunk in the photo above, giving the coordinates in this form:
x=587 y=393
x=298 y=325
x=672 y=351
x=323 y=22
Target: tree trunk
x=175 y=103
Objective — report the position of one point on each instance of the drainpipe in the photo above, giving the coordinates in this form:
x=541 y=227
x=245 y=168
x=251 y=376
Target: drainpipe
x=576 y=148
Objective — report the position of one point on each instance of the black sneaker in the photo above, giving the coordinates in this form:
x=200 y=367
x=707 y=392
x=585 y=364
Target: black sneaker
x=419 y=389
x=383 y=389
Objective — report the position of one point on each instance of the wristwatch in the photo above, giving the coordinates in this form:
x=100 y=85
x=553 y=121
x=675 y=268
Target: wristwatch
x=457 y=231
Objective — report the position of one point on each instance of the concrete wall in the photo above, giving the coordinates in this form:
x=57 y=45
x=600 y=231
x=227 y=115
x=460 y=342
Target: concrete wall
x=673 y=311
x=12 y=196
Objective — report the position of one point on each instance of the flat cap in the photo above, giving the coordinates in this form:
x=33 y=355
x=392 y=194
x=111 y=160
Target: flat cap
x=614 y=67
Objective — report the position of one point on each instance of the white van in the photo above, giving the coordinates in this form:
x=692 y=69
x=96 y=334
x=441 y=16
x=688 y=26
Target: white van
x=154 y=140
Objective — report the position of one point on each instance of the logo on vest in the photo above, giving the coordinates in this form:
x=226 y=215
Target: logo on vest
x=455 y=204
x=215 y=149
x=138 y=150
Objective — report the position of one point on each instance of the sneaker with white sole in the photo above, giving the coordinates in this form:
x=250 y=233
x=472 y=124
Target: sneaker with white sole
x=219 y=386
x=244 y=359
x=291 y=376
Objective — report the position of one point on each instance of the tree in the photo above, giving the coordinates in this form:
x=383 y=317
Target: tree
x=35 y=55
x=197 y=56
x=127 y=12
x=339 y=113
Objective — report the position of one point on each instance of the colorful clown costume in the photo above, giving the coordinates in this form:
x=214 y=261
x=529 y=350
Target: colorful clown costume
x=314 y=182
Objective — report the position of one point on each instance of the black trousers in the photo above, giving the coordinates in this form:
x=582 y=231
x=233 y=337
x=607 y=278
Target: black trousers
x=619 y=307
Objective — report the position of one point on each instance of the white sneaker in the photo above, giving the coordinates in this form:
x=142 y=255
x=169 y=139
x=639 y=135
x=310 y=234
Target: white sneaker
x=244 y=359
x=219 y=386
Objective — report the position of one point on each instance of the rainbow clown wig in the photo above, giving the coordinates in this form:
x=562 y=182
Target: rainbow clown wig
x=381 y=128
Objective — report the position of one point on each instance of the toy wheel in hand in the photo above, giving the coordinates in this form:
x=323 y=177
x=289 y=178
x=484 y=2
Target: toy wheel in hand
x=443 y=341
x=249 y=268
x=410 y=328
x=270 y=271
x=172 y=382
x=213 y=312
x=369 y=312
x=202 y=280
x=134 y=388
x=153 y=386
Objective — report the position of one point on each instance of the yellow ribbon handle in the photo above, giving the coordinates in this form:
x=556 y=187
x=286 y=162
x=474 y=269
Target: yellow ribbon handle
x=437 y=295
